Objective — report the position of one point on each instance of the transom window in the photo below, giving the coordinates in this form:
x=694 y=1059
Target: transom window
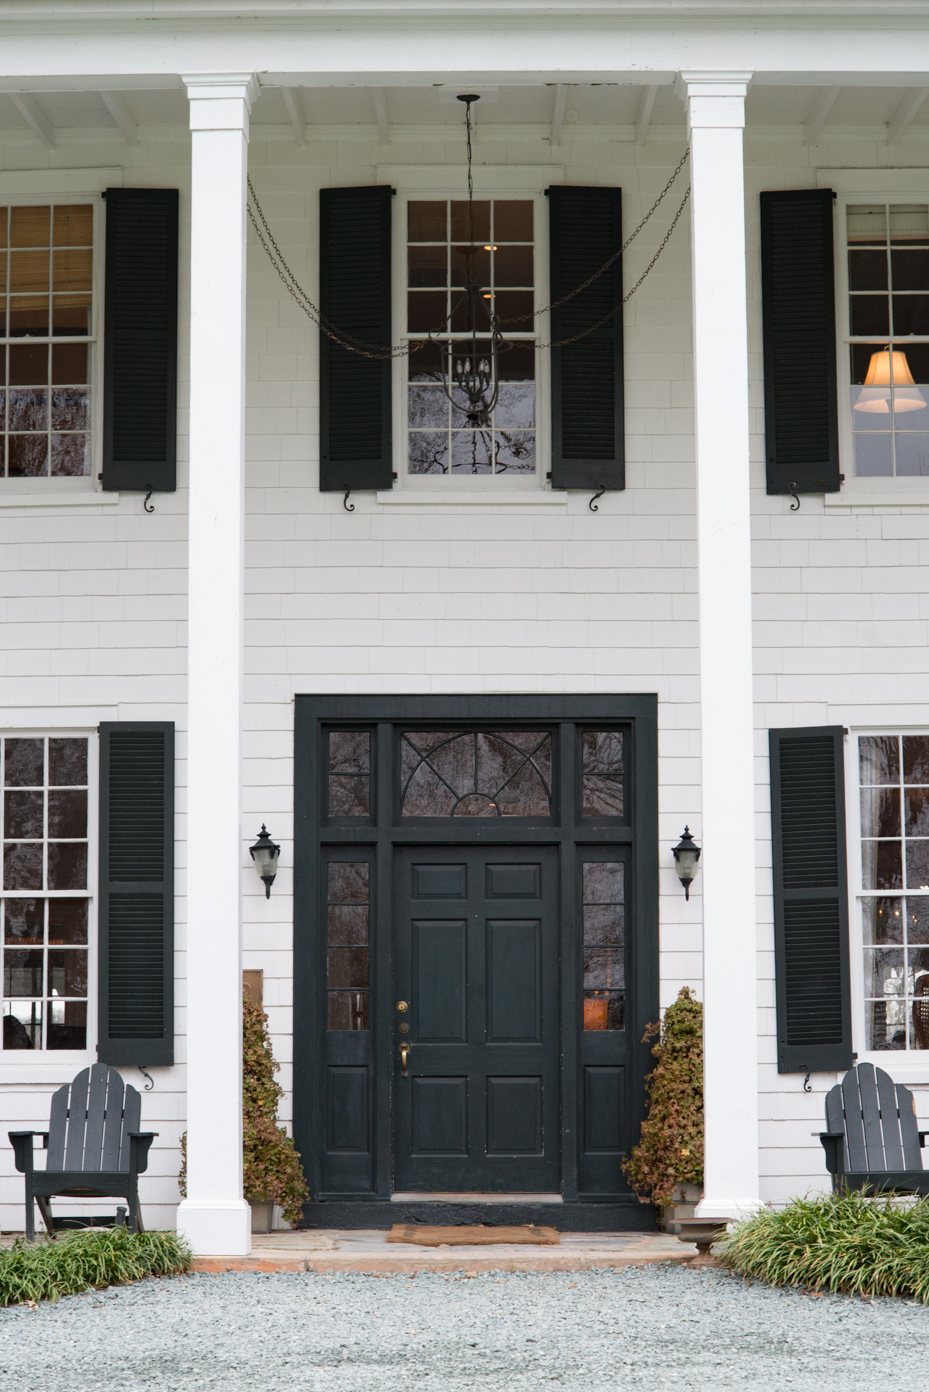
x=888 y=320
x=894 y=791
x=46 y=291
x=439 y=247
x=453 y=774
x=46 y=901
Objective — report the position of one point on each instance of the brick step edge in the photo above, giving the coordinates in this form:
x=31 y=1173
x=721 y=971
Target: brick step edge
x=351 y=1261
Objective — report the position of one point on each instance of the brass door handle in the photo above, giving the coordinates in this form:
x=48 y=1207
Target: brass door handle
x=404 y=1055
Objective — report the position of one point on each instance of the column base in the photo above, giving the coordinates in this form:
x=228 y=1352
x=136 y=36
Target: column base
x=216 y=1227
x=734 y=1210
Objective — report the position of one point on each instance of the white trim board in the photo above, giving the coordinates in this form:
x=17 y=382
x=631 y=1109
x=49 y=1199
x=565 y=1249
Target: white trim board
x=53 y=182
x=486 y=176
x=876 y=181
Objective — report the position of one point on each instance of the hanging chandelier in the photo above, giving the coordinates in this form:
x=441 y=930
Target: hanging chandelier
x=471 y=377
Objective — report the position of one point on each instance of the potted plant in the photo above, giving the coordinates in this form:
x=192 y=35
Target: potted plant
x=666 y=1167
x=272 y=1173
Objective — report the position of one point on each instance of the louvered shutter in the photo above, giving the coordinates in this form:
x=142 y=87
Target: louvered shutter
x=140 y=341
x=810 y=900
x=585 y=227
x=354 y=295
x=798 y=301
x=136 y=893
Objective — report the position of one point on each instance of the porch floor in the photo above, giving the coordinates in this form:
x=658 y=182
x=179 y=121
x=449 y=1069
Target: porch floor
x=367 y=1250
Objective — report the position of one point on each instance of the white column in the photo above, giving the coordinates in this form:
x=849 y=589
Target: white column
x=215 y=1217
x=716 y=117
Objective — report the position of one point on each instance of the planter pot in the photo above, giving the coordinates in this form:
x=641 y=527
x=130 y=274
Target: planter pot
x=683 y=1204
x=262 y=1215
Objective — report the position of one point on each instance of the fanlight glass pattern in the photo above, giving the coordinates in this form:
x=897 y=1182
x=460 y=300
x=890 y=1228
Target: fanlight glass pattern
x=451 y=773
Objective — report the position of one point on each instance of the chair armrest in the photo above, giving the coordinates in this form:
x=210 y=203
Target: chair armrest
x=833 y=1145
x=23 y=1147
x=139 y=1142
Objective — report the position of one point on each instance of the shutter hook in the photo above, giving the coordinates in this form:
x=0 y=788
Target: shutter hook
x=806 y=1082
x=145 y=1074
x=145 y=504
x=792 y=491
x=593 y=502
x=349 y=507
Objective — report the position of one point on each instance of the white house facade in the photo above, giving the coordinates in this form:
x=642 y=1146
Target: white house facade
x=473 y=545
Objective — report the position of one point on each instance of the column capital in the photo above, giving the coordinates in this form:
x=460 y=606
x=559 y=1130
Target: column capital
x=220 y=101
x=713 y=99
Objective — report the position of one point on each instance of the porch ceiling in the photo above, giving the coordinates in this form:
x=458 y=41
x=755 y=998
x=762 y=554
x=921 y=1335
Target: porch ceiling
x=605 y=110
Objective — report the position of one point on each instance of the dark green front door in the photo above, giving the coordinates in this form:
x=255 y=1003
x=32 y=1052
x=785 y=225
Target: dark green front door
x=476 y=966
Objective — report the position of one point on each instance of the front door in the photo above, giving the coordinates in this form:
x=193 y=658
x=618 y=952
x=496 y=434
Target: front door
x=476 y=1019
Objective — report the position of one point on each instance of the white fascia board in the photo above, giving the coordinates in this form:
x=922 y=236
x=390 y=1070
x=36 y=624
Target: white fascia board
x=54 y=182
x=910 y=179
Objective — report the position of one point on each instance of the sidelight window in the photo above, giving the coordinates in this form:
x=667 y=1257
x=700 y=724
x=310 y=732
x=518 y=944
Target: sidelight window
x=348 y=937
x=603 y=889
x=46 y=903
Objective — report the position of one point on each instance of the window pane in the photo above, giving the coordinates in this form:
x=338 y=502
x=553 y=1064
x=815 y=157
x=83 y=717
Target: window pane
x=22 y=972
x=457 y=774
x=602 y=773
x=348 y=954
x=348 y=924
x=67 y=865
x=23 y=921
x=883 y=920
x=879 y=759
x=349 y=773
x=880 y=812
x=881 y=865
x=67 y=920
x=67 y=1025
x=22 y=1024
x=67 y=812
x=604 y=953
x=67 y=972
x=22 y=865
x=24 y=763
x=23 y=814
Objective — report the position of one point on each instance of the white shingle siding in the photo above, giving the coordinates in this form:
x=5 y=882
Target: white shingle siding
x=93 y=599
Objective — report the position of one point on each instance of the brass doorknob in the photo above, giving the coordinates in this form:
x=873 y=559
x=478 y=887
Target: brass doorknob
x=402 y=1006
x=404 y=1055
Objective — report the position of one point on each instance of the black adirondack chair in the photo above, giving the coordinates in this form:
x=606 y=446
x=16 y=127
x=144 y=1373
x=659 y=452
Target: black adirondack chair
x=95 y=1148
x=873 y=1142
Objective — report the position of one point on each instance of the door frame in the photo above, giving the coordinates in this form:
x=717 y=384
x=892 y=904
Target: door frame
x=370 y=1204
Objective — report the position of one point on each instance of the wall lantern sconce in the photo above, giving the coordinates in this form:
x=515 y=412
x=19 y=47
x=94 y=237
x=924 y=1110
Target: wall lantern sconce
x=265 y=853
x=686 y=854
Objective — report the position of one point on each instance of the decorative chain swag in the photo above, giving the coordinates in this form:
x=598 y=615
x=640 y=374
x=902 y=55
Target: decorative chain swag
x=381 y=352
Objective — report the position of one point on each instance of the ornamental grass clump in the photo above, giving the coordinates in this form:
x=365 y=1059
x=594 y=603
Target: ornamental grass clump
x=45 y=1270
x=670 y=1151
x=843 y=1242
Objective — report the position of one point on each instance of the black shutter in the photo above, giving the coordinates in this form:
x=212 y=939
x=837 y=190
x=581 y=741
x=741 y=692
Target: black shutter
x=798 y=300
x=810 y=900
x=136 y=892
x=355 y=449
x=140 y=341
x=588 y=447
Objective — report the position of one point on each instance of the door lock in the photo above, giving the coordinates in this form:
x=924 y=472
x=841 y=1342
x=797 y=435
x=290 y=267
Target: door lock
x=404 y=1056
x=402 y=1006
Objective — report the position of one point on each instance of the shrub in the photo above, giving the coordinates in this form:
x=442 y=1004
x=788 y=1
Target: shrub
x=271 y=1163
x=670 y=1151
x=101 y=1257
x=843 y=1242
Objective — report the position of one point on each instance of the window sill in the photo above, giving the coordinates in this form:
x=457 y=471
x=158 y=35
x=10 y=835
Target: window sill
x=459 y=498
x=90 y=497
x=881 y=493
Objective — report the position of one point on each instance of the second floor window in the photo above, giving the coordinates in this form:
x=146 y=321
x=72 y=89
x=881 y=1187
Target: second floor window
x=440 y=438
x=888 y=320
x=46 y=260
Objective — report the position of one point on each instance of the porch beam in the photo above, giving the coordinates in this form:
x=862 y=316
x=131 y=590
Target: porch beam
x=906 y=112
x=818 y=113
x=644 y=116
x=716 y=118
x=380 y=111
x=118 y=108
x=561 y=96
x=35 y=117
x=291 y=97
x=215 y=1217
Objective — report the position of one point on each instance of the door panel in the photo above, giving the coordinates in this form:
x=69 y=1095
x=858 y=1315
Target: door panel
x=477 y=962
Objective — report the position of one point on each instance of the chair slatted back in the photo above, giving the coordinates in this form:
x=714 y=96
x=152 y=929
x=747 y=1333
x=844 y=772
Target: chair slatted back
x=878 y=1119
x=90 y=1122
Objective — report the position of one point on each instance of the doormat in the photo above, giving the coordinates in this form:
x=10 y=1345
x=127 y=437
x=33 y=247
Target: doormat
x=423 y=1236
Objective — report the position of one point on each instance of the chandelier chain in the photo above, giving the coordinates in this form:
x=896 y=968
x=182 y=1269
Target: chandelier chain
x=381 y=353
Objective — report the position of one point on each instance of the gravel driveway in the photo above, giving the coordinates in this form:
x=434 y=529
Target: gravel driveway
x=655 y=1327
